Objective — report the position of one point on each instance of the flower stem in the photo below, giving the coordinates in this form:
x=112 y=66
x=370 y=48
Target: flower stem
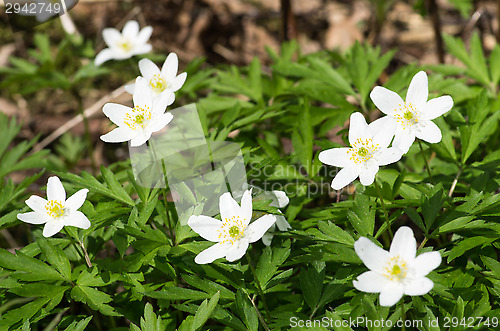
x=425 y=160
x=403 y=316
x=84 y=255
x=379 y=193
x=259 y=288
x=455 y=181
x=259 y=315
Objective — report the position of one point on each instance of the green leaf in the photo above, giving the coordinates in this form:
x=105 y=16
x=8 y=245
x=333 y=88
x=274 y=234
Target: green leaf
x=269 y=262
x=94 y=298
x=467 y=244
x=362 y=215
x=205 y=311
x=247 y=311
x=27 y=266
x=311 y=284
x=55 y=256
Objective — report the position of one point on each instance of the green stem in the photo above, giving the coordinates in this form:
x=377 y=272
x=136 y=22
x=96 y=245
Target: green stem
x=455 y=181
x=425 y=160
x=259 y=288
x=259 y=315
x=88 y=137
x=379 y=193
x=84 y=255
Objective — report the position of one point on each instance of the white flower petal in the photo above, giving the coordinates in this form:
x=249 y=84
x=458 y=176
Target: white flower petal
x=358 y=129
x=211 y=254
x=103 y=56
x=344 y=177
x=403 y=139
x=170 y=67
x=391 y=295
x=118 y=135
x=257 y=228
x=371 y=282
x=282 y=199
x=367 y=175
x=116 y=112
x=33 y=218
x=389 y=155
x=237 y=250
x=246 y=207
x=428 y=131
x=148 y=69
x=383 y=131
x=52 y=227
x=161 y=101
x=207 y=227
x=373 y=256
x=425 y=263
x=37 y=204
x=267 y=238
x=78 y=219
x=178 y=82
x=437 y=107
x=75 y=201
x=161 y=122
x=142 y=93
x=337 y=157
x=131 y=29
x=282 y=223
x=404 y=244
x=140 y=138
x=111 y=36
x=228 y=207
x=141 y=49
x=386 y=100
x=418 y=91
x=144 y=35
x=130 y=88
x=55 y=189
x=419 y=286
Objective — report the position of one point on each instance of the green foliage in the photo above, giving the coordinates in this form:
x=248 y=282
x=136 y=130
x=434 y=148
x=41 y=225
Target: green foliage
x=143 y=275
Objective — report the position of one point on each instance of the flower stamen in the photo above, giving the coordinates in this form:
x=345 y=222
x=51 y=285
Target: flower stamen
x=396 y=269
x=232 y=229
x=55 y=208
x=406 y=115
x=158 y=83
x=362 y=150
x=137 y=118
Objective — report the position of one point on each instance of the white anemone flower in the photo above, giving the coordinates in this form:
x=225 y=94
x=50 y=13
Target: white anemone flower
x=397 y=271
x=126 y=44
x=56 y=212
x=162 y=80
x=369 y=151
x=413 y=116
x=138 y=124
x=233 y=233
x=280 y=200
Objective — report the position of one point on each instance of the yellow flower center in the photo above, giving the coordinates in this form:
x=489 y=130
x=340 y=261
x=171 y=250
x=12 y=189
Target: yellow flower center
x=158 y=83
x=232 y=229
x=396 y=269
x=406 y=115
x=362 y=150
x=125 y=45
x=55 y=208
x=137 y=118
